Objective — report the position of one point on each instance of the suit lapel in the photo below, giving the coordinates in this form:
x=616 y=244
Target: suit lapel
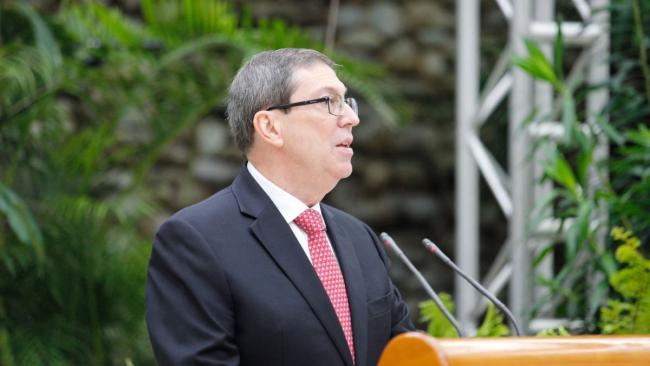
x=279 y=241
x=354 y=282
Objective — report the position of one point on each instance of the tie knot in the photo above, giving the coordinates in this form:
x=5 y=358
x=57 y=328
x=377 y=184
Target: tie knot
x=310 y=221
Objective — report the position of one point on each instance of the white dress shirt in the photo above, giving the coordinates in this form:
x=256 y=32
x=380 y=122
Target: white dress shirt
x=289 y=206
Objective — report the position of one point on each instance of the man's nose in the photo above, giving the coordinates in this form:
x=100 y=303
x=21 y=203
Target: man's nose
x=349 y=118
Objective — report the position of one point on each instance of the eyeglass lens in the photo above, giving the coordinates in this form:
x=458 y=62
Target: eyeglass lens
x=336 y=104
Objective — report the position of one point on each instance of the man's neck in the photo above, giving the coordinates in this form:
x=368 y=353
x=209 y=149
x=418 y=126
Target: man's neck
x=310 y=193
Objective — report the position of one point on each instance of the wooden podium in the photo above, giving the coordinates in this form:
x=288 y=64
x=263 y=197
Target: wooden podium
x=419 y=349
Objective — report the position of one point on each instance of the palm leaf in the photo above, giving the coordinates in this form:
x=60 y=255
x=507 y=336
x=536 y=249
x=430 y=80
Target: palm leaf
x=21 y=221
x=45 y=42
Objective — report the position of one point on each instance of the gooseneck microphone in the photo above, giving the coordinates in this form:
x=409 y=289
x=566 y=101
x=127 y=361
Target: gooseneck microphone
x=389 y=242
x=435 y=250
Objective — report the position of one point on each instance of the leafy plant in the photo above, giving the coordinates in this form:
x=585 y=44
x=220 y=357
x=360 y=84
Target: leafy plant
x=493 y=324
x=623 y=179
x=438 y=325
x=553 y=332
x=631 y=314
x=573 y=199
x=90 y=99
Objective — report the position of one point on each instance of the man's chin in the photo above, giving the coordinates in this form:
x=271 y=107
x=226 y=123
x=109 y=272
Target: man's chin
x=344 y=171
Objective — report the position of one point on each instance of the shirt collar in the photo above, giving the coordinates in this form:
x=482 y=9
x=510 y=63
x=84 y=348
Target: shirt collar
x=289 y=206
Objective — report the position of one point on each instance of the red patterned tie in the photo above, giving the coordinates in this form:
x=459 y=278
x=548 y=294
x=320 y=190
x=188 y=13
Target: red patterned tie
x=327 y=269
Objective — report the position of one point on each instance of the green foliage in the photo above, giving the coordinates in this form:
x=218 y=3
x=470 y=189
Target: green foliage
x=553 y=332
x=438 y=325
x=90 y=99
x=629 y=112
x=21 y=222
x=631 y=315
x=537 y=65
x=493 y=324
x=579 y=288
x=631 y=176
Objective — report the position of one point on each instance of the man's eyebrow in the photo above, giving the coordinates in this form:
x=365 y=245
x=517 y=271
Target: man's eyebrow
x=332 y=90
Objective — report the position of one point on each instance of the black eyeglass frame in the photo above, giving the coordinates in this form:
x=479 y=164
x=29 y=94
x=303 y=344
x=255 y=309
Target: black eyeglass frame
x=351 y=102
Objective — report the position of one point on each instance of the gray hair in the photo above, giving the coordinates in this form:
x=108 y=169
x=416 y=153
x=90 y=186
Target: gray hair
x=265 y=80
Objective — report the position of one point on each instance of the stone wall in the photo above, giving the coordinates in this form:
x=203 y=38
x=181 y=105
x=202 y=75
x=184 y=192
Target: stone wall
x=403 y=181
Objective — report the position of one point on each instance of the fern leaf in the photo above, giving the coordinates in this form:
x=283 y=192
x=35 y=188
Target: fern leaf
x=492 y=325
x=21 y=221
x=437 y=323
x=631 y=315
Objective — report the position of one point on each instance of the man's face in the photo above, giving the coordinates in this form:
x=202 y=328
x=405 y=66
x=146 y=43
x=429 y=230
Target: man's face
x=316 y=142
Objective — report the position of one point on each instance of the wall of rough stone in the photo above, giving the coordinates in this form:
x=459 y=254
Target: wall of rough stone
x=403 y=180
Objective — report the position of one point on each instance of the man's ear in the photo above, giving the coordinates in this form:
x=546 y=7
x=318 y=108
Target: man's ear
x=268 y=127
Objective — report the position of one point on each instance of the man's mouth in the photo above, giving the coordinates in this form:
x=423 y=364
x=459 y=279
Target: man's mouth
x=346 y=143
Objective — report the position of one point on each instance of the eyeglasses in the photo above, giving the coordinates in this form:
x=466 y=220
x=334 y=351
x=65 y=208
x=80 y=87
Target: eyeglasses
x=335 y=104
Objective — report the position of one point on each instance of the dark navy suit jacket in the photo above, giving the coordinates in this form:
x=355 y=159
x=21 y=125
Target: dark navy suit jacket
x=228 y=284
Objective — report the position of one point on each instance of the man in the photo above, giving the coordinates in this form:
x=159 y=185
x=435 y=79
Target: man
x=262 y=273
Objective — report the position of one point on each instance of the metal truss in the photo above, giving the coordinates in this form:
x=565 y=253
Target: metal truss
x=518 y=190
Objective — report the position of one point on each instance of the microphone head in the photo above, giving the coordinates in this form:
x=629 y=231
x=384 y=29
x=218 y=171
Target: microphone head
x=430 y=246
x=388 y=241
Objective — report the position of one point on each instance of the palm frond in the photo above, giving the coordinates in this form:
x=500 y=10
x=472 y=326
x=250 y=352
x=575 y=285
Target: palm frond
x=44 y=39
x=94 y=25
x=21 y=221
x=26 y=76
x=179 y=20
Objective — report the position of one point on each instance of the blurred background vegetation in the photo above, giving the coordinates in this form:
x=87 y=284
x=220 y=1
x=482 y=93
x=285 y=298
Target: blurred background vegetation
x=92 y=97
x=591 y=265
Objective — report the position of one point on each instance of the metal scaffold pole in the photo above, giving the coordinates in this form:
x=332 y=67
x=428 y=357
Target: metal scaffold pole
x=521 y=100
x=467 y=178
x=516 y=188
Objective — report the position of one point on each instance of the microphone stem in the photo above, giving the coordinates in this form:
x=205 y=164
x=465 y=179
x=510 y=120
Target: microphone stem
x=478 y=287
x=427 y=288
x=435 y=298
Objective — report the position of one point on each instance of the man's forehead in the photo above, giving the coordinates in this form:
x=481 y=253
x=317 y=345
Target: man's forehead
x=318 y=78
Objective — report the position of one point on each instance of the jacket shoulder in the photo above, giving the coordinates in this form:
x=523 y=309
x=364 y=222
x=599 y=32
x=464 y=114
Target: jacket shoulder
x=220 y=207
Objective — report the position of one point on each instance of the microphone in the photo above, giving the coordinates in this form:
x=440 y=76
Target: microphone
x=389 y=242
x=435 y=250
